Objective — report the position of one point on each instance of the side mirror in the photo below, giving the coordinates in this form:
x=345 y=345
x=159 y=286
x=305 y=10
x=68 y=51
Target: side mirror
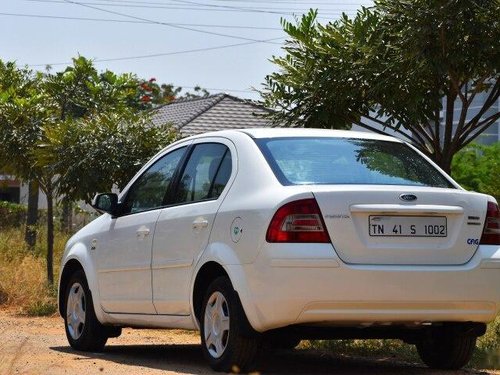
x=106 y=202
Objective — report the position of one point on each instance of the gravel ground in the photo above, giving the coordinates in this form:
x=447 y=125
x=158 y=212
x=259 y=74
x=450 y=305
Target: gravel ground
x=38 y=346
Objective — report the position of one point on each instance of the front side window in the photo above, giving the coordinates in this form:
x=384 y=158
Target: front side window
x=149 y=190
x=321 y=160
x=206 y=173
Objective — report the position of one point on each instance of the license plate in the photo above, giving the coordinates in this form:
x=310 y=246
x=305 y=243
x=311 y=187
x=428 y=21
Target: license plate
x=407 y=226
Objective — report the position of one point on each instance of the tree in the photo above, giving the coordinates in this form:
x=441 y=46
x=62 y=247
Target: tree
x=100 y=152
x=80 y=91
x=400 y=66
x=72 y=130
x=22 y=111
x=152 y=94
x=95 y=134
x=477 y=167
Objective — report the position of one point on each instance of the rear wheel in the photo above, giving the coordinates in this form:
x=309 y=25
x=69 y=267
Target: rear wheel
x=446 y=350
x=225 y=344
x=83 y=330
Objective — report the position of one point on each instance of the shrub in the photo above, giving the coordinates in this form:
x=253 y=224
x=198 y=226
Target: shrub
x=11 y=214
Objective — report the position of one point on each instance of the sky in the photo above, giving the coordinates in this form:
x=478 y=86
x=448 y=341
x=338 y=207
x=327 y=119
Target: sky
x=220 y=45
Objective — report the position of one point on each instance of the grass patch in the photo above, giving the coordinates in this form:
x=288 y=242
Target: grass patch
x=41 y=308
x=487 y=354
x=23 y=273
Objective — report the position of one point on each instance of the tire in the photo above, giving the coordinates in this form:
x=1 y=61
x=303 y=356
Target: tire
x=226 y=343
x=446 y=350
x=83 y=330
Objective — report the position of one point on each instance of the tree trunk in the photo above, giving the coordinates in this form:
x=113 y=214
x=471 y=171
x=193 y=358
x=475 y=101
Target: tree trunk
x=32 y=214
x=67 y=215
x=446 y=166
x=446 y=157
x=50 y=235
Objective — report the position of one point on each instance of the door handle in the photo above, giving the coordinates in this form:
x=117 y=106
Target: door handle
x=200 y=223
x=142 y=232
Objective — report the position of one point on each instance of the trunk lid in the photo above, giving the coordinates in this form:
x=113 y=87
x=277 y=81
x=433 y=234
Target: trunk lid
x=375 y=224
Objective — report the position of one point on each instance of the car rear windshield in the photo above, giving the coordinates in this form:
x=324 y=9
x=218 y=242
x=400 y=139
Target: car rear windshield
x=309 y=160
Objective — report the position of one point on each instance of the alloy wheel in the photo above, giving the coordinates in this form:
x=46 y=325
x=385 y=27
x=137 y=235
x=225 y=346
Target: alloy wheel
x=75 y=311
x=216 y=327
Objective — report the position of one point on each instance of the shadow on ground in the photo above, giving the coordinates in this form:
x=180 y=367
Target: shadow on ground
x=188 y=359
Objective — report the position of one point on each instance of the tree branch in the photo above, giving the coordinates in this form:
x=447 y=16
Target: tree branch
x=475 y=91
x=457 y=87
x=492 y=98
x=460 y=125
x=423 y=132
x=437 y=127
x=481 y=126
x=414 y=138
x=450 y=108
x=416 y=142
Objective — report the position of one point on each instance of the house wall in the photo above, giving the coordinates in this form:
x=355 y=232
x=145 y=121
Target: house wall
x=23 y=199
x=15 y=191
x=9 y=188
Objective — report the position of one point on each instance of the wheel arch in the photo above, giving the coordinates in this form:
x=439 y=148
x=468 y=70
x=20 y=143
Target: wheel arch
x=221 y=259
x=79 y=257
x=69 y=269
x=206 y=274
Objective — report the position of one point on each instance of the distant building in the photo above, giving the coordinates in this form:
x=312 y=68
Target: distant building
x=214 y=112
x=15 y=191
x=10 y=188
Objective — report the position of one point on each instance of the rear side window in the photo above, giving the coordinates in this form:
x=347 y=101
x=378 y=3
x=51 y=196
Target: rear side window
x=206 y=173
x=305 y=161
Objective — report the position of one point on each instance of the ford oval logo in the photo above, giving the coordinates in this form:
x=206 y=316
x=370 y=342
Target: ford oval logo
x=408 y=197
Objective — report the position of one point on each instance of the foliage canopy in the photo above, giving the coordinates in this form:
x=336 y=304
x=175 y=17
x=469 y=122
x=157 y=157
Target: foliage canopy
x=74 y=132
x=410 y=67
x=477 y=167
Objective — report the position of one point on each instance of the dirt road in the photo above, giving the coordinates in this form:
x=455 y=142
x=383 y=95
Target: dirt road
x=38 y=346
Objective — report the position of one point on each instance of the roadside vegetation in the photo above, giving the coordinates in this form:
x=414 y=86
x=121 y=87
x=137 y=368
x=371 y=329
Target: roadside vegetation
x=23 y=283
x=477 y=168
x=76 y=132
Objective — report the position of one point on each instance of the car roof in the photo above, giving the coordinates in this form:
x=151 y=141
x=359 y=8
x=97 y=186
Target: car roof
x=298 y=132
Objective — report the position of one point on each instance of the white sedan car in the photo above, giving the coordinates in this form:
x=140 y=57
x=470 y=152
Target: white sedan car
x=278 y=235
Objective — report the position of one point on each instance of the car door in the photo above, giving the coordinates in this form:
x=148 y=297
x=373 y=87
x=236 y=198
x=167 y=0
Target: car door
x=183 y=229
x=124 y=251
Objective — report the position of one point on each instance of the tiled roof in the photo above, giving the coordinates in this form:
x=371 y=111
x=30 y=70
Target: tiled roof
x=215 y=112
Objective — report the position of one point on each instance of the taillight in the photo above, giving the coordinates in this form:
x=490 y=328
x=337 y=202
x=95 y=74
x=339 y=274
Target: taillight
x=491 y=231
x=298 y=221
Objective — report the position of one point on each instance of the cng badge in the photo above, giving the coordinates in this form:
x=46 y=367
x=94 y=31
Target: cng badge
x=237 y=229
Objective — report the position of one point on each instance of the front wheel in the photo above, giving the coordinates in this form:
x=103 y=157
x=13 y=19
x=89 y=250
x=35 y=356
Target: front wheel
x=225 y=345
x=446 y=350
x=83 y=330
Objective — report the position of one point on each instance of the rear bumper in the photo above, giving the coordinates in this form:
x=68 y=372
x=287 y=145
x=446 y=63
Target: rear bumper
x=291 y=285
